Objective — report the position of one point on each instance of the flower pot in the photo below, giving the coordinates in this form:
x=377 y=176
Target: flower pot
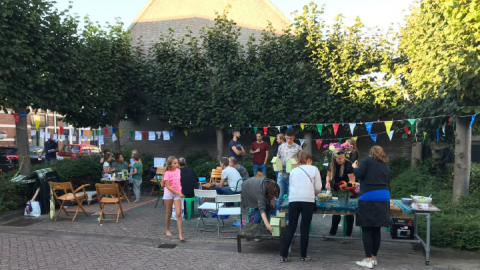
x=3 y=136
x=343 y=201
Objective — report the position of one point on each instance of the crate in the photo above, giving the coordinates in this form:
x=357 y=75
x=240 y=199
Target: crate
x=402 y=228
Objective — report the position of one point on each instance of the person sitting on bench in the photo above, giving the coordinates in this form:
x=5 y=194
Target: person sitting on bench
x=228 y=182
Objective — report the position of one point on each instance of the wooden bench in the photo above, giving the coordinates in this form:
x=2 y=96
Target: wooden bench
x=257 y=231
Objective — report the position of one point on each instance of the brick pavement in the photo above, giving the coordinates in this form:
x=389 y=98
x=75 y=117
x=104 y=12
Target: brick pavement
x=85 y=244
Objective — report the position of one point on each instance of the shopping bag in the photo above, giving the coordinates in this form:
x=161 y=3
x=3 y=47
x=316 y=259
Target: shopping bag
x=173 y=217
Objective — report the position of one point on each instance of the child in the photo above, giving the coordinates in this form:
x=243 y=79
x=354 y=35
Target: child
x=137 y=176
x=173 y=194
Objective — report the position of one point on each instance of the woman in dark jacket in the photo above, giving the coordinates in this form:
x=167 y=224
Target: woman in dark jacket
x=374 y=202
x=188 y=179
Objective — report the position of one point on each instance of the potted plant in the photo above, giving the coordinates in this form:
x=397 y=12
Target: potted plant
x=344 y=190
x=3 y=135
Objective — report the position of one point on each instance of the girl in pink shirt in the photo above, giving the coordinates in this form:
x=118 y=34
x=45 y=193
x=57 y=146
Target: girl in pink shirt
x=173 y=195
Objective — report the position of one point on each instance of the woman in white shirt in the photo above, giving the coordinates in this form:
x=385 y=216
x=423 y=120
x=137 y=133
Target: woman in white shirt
x=305 y=184
x=106 y=164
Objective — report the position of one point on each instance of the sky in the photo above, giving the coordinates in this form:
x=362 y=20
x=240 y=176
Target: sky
x=379 y=13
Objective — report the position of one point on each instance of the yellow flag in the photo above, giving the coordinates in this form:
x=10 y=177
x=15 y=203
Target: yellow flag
x=120 y=131
x=272 y=139
x=185 y=132
x=355 y=138
x=388 y=125
x=91 y=133
x=302 y=125
x=37 y=124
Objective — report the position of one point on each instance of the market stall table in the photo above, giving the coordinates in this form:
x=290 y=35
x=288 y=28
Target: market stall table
x=122 y=184
x=397 y=210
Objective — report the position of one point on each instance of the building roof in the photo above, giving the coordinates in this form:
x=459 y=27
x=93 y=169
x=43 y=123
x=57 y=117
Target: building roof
x=253 y=14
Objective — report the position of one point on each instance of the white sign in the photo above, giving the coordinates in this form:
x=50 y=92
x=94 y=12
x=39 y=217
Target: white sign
x=166 y=136
x=138 y=135
x=159 y=162
x=151 y=136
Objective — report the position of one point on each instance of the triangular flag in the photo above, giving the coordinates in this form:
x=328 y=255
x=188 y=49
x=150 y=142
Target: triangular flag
x=471 y=123
x=172 y=132
x=91 y=138
x=290 y=126
x=407 y=130
x=81 y=133
x=319 y=143
x=91 y=133
x=352 y=127
x=98 y=132
x=106 y=132
x=114 y=137
x=113 y=130
x=355 y=138
x=100 y=140
x=144 y=135
x=159 y=134
x=340 y=140
x=132 y=132
x=438 y=134
x=443 y=128
x=335 y=128
x=302 y=125
x=374 y=137
x=34 y=132
x=255 y=130
x=37 y=124
x=16 y=116
x=278 y=127
x=272 y=139
x=390 y=135
x=120 y=132
x=185 y=132
x=412 y=123
x=424 y=137
x=265 y=131
x=388 y=125
x=301 y=142
x=61 y=130
x=369 y=127
x=320 y=128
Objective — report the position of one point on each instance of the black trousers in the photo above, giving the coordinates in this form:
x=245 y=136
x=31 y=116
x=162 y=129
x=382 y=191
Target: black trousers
x=336 y=220
x=371 y=237
x=294 y=211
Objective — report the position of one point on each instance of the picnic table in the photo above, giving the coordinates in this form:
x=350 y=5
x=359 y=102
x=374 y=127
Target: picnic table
x=397 y=210
x=257 y=231
x=122 y=186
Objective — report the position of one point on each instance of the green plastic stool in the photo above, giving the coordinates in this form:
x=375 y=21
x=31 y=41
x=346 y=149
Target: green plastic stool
x=190 y=202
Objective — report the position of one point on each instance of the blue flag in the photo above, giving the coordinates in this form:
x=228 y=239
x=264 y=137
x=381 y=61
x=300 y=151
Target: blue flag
x=471 y=123
x=369 y=127
x=374 y=137
x=438 y=135
x=290 y=126
x=172 y=132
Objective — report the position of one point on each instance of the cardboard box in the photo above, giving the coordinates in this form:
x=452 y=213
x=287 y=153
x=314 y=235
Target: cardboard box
x=402 y=228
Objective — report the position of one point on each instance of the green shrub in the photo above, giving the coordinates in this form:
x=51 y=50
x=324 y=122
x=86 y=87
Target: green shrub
x=12 y=195
x=398 y=166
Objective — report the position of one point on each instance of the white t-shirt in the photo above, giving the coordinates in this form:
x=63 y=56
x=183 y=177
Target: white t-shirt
x=105 y=164
x=232 y=176
x=302 y=187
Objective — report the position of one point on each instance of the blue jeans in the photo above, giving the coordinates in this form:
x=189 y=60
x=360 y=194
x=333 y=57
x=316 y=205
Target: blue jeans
x=224 y=190
x=284 y=184
x=258 y=216
x=276 y=175
x=262 y=168
x=49 y=160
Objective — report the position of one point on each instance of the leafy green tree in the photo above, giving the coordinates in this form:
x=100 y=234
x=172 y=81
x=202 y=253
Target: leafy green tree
x=38 y=45
x=441 y=75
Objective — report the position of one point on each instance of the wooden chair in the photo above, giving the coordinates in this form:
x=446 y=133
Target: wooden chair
x=160 y=171
x=215 y=176
x=109 y=189
x=69 y=196
x=259 y=174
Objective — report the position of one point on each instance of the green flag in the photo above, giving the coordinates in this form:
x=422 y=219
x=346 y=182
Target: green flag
x=98 y=132
x=255 y=130
x=412 y=123
x=320 y=128
x=131 y=134
x=340 y=140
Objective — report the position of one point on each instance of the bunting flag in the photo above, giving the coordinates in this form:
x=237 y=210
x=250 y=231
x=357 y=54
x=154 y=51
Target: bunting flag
x=278 y=127
x=106 y=132
x=355 y=138
x=131 y=134
x=81 y=133
x=319 y=143
x=113 y=130
x=374 y=137
x=369 y=127
x=335 y=128
x=438 y=134
x=16 y=116
x=144 y=135
x=388 y=125
x=450 y=120
x=61 y=130
x=265 y=131
x=98 y=132
x=320 y=128
x=390 y=134
x=185 y=132
x=55 y=136
x=412 y=123
x=471 y=123
x=340 y=140
x=114 y=137
x=352 y=127
x=172 y=132
x=302 y=125
x=33 y=132
x=120 y=132
x=159 y=134
x=443 y=128
x=37 y=124
x=91 y=133
x=301 y=142
x=91 y=138
x=290 y=126
x=272 y=139
x=407 y=130
x=62 y=137
x=255 y=130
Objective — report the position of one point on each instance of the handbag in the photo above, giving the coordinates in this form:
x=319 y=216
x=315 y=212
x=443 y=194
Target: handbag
x=311 y=181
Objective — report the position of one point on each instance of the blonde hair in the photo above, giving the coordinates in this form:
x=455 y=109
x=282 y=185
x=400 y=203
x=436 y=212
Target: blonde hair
x=170 y=160
x=377 y=153
x=353 y=143
x=333 y=169
x=233 y=160
x=281 y=136
x=303 y=158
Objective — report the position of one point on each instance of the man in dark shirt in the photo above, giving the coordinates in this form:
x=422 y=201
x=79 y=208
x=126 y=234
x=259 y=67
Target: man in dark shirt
x=50 y=147
x=236 y=148
x=259 y=150
x=188 y=179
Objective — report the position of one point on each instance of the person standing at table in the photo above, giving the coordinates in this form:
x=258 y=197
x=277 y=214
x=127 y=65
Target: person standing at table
x=259 y=150
x=236 y=148
x=353 y=155
x=137 y=177
x=374 y=203
x=305 y=185
x=285 y=152
x=340 y=169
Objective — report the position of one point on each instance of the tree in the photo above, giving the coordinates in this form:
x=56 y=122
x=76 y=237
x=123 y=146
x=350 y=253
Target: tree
x=37 y=49
x=440 y=41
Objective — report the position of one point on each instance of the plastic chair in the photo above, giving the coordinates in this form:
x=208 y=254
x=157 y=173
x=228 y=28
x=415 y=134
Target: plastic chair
x=206 y=205
x=233 y=211
x=190 y=203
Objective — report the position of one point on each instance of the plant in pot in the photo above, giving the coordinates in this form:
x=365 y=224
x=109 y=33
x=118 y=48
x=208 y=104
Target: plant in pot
x=344 y=190
x=3 y=135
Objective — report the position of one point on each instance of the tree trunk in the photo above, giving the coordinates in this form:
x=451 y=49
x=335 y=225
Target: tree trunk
x=21 y=133
x=463 y=158
x=116 y=125
x=219 y=143
x=416 y=155
x=308 y=142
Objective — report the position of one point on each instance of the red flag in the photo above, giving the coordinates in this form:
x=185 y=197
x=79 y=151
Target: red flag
x=16 y=116
x=265 y=131
x=335 y=128
x=450 y=120
x=407 y=130
x=144 y=135
x=61 y=130
x=106 y=132
x=319 y=143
